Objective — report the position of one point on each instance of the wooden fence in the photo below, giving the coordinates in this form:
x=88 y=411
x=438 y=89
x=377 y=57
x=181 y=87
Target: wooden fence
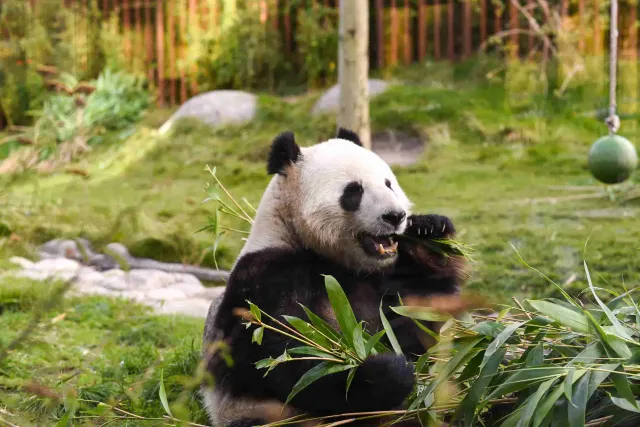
x=402 y=32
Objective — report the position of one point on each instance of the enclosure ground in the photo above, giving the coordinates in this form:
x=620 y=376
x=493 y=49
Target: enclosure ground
x=510 y=170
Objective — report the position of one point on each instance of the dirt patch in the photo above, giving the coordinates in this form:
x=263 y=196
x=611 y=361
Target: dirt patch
x=397 y=147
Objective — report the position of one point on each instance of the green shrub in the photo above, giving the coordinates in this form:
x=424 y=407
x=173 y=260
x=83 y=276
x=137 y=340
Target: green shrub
x=317 y=40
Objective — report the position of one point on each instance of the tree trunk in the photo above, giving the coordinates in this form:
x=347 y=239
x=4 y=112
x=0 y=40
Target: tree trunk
x=353 y=68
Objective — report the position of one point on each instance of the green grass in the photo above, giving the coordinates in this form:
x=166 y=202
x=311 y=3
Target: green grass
x=491 y=154
x=93 y=349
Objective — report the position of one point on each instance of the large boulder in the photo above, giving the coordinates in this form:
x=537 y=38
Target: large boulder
x=217 y=108
x=330 y=100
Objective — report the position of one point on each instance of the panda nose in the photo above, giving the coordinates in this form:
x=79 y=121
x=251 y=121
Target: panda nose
x=394 y=218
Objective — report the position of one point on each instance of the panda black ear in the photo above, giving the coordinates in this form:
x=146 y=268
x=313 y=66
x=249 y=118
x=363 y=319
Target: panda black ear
x=349 y=136
x=284 y=152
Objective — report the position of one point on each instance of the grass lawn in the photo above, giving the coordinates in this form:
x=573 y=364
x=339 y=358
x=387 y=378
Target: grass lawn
x=510 y=169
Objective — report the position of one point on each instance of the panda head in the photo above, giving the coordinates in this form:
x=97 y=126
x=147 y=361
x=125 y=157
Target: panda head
x=338 y=199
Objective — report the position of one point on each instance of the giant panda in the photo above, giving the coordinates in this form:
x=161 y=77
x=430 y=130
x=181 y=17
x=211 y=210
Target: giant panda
x=333 y=208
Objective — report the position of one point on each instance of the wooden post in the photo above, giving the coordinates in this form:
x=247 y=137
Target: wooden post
x=422 y=30
x=530 y=35
x=138 y=24
x=354 y=67
x=160 y=50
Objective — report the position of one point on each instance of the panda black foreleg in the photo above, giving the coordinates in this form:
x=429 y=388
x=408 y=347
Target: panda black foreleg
x=382 y=382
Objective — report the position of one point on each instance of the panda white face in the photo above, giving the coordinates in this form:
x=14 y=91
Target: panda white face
x=351 y=204
x=335 y=198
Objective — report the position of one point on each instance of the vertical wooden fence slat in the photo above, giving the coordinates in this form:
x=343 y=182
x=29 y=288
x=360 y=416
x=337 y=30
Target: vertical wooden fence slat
x=148 y=41
x=582 y=25
x=183 y=48
x=497 y=20
x=380 y=31
x=597 y=38
x=406 y=42
x=193 y=25
x=530 y=35
x=393 y=60
x=287 y=25
x=436 y=29
x=105 y=5
x=276 y=15
x=467 y=24
x=126 y=20
x=633 y=31
x=160 y=49
x=171 y=44
x=138 y=24
x=450 y=31
x=564 y=8
x=514 y=27
x=483 y=21
x=422 y=30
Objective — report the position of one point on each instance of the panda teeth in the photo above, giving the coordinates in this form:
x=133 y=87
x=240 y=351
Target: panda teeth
x=381 y=250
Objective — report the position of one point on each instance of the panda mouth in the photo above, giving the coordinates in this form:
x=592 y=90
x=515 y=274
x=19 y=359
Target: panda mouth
x=378 y=246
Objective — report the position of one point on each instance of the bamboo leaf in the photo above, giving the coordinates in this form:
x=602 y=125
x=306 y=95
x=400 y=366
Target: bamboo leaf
x=532 y=403
x=562 y=315
x=352 y=374
x=341 y=307
x=621 y=382
x=624 y=404
x=449 y=368
x=420 y=313
x=309 y=351
x=257 y=335
x=612 y=318
x=526 y=377
x=371 y=342
x=163 y=395
x=548 y=402
x=469 y=404
x=255 y=311
x=391 y=336
x=321 y=325
x=321 y=370
x=535 y=356
x=500 y=340
x=358 y=342
x=308 y=331
x=578 y=405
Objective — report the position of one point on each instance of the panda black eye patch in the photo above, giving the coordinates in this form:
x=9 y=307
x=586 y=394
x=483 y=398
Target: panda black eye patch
x=351 y=196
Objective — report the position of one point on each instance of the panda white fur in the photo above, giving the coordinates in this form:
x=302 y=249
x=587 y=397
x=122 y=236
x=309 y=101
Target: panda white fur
x=333 y=208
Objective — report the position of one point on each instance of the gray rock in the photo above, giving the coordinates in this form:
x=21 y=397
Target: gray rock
x=216 y=108
x=330 y=100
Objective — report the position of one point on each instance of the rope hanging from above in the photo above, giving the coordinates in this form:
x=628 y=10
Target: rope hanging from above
x=613 y=121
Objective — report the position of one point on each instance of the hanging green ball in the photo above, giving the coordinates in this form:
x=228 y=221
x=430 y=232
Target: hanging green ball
x=612 y=159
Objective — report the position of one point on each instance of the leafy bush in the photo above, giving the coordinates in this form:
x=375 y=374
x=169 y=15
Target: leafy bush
x=317 y=39
x=77 y=115
x=245 y=53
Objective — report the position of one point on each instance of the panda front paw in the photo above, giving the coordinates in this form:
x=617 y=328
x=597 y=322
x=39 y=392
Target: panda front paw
x=430 y=226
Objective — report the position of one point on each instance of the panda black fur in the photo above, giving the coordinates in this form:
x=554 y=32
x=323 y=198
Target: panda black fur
x=325 y=212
